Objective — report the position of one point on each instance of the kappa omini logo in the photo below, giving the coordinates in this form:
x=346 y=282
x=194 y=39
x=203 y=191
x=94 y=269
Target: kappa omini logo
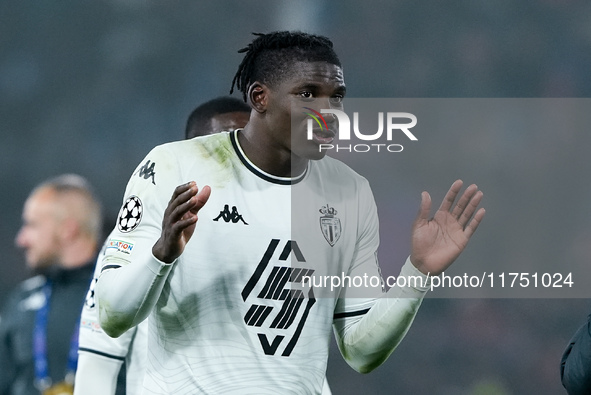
x=330 y=225
x=230 y=216
x=130 y=214
x=147 y=171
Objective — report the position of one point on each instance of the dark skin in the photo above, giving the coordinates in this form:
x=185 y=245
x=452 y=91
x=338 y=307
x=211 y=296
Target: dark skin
x=268 y=139
x=224 y=121
x=229 y=121
x=268 y=142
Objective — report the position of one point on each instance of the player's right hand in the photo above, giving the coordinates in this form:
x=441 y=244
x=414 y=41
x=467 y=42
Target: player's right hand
x=178 y=223
x=438 y=241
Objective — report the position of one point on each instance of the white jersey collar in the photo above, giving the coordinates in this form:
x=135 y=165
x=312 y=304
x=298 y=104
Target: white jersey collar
x=257 y=171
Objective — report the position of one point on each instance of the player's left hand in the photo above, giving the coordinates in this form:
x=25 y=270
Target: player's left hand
x=437 y=242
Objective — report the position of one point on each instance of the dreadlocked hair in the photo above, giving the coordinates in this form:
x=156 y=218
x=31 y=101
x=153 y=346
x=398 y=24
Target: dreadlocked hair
x=270 y=56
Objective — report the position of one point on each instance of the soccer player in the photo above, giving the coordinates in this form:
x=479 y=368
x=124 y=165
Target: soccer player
x=228 y=309
x=100 y=356
x=60 y=234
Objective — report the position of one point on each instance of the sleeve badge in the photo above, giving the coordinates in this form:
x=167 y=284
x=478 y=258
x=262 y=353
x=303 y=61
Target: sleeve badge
x=130 y=214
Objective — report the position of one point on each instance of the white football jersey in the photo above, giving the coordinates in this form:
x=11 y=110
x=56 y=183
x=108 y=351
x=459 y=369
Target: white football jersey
x=236 y=315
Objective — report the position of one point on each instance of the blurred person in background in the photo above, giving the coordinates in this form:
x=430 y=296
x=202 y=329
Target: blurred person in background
x=60 y=235
x=575 y=366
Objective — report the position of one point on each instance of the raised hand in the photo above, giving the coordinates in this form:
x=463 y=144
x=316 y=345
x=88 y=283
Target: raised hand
x=437 y=242
x=179 y=221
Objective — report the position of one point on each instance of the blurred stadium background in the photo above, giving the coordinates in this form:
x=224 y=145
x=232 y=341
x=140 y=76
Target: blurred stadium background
x=90 y=87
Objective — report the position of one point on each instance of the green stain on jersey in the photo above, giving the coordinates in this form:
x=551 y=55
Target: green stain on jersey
x=220 y=156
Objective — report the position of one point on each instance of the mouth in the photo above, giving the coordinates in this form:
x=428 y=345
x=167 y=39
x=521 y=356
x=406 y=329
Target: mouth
x=323 y=136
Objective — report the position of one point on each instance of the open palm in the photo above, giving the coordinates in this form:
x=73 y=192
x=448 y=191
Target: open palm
x=438 y=241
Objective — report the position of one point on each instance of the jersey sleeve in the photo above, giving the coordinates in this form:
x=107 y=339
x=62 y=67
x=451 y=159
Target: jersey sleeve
x=96 y=374
x=100 y=356
x=368 y=322
x=131 y=278
x=357 y=298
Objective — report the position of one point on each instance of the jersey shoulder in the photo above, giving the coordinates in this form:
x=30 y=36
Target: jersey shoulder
x=333 y=171
x=211 y=147
x=169 y=165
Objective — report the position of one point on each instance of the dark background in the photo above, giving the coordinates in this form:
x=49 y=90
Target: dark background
x=90 y=86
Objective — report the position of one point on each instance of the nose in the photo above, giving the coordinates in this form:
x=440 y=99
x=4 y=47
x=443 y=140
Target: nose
x=331 y=120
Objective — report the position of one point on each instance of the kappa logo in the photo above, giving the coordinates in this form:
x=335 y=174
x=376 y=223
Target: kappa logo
x=228 y=215
x=330 y=225
x=147 y=171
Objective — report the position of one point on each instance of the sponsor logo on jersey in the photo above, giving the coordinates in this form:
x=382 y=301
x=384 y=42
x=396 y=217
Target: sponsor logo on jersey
x=279 y=311
x=230 y=216
x=330 y=225
x=130 y=214
x=90 y=324
x=147 y=171
x=120 y=246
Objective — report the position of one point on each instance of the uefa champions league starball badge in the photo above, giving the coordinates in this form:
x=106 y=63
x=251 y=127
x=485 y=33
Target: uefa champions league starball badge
x=130 y=214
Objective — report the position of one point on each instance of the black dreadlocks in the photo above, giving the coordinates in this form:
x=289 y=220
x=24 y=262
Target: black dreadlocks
x=269 y=57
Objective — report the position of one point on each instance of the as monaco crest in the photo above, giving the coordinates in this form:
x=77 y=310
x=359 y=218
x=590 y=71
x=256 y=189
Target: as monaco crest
x=330 y=225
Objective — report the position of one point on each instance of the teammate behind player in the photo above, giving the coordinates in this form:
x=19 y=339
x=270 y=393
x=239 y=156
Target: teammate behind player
x=222 y=113
x=223 y=317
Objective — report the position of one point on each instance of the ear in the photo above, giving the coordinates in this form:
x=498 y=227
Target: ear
x=70 y=229
x=258 y=96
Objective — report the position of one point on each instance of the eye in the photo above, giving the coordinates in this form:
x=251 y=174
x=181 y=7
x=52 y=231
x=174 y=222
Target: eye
x=337 y=99
x=306 y=95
